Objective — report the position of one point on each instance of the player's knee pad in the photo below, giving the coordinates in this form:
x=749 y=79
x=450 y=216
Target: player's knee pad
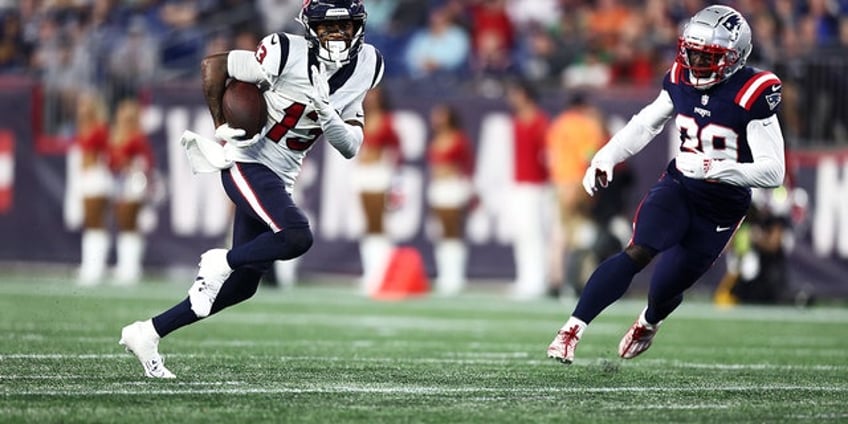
x=641 y=255
x=296 y=241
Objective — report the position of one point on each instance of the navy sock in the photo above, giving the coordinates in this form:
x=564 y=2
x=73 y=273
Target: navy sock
x=178 y=316
x=606 y=285
x=659 y=311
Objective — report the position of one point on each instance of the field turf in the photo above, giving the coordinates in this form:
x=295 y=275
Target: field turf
x=323 y=354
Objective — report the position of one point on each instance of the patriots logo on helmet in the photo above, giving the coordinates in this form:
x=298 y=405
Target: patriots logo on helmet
x=733 y=23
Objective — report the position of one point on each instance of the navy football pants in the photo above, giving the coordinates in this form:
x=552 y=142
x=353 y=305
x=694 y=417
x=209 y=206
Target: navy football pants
x=688 y=241
x=267 y=226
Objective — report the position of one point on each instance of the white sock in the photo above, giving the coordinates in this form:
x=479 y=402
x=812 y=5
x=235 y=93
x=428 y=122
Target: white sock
x=644 y=321
x=572 y=321
x=130 y=246
x=375 y=251
x=451 y=257
x=95 y=250
x=286 y=272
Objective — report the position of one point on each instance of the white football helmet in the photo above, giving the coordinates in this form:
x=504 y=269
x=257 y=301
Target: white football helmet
x=715 y=43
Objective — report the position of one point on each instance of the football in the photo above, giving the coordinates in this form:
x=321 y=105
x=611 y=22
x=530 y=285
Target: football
x=244 y=107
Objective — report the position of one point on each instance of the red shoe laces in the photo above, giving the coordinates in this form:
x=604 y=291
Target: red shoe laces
x=641 y=332
x=569 y=335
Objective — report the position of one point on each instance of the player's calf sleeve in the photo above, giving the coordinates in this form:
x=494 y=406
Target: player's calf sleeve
x=606 y=285
x=240 y=286
x=658 y=311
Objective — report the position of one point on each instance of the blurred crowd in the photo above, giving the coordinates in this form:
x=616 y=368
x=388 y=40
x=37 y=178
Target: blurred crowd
x=113 y=50
x=121 y=46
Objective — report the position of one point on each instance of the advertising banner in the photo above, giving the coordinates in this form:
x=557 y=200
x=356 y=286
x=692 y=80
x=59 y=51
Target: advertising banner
x=40 y=209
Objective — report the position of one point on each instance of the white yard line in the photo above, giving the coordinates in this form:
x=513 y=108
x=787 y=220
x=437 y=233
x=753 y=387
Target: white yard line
x=484 y=358
x=153 y=388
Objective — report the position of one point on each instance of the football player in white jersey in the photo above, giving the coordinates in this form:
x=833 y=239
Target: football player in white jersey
x=725 y=114
x=314 y=85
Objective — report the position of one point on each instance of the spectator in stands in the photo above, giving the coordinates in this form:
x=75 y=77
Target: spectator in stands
x=574 y=136
x=13 y=52
x=65 y=66
x=449 y=194
x=135 y=61
x=591 y=71
x=632 y=55
x=493 y=37
x=606 y=23
x=92 y=141
x=529 y=200
x=440 y=49
x=280 y=15
x=534 y=13
x=375 y=168
x=182 y=46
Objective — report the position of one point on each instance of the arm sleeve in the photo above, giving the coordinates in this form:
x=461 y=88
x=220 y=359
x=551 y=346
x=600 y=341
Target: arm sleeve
x=639 y=131
x=266 y=63
x=769 y=166
x=344 y=137
x=242 y=66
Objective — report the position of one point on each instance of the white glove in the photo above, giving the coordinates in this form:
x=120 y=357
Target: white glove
x=693 y=164
x=600 y=171
x=320 y=94
x=235 y=136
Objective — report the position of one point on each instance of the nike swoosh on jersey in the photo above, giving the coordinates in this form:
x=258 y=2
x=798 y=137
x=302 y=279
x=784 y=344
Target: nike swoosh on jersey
x=720 y=229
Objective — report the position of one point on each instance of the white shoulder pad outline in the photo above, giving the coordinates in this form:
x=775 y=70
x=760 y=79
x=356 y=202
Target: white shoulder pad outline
x=755 y=87
x=273 y=53
x=379 y=67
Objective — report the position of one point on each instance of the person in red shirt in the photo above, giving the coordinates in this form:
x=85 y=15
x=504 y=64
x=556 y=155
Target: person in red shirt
x=530 y=205
x=375 y=168
x=493 y=36
x=131 y=162
x=449 y=193
x=92 y=143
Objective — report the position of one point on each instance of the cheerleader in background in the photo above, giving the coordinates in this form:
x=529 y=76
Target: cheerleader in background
x=449 y=194
x=131 y=163
x=92 y=139
x=374 y=170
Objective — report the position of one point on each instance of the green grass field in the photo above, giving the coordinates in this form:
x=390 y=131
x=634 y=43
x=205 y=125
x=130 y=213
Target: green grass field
x=325 y=355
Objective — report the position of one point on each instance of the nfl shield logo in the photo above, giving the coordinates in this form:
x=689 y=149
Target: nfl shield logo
x=705 y=99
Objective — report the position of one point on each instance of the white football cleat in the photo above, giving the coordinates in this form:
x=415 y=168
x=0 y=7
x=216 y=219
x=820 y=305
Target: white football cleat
x=140 y=339
x=214 y=270
x=563 y=346
x=638 y=338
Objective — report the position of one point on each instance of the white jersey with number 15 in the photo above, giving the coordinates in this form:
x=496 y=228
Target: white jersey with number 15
x=282 y=63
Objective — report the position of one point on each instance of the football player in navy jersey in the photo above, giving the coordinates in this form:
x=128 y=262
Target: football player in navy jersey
x=314 y=85
x=730 y=140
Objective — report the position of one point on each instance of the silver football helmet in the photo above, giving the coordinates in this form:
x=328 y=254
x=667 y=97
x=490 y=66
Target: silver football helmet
x=715 y=43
